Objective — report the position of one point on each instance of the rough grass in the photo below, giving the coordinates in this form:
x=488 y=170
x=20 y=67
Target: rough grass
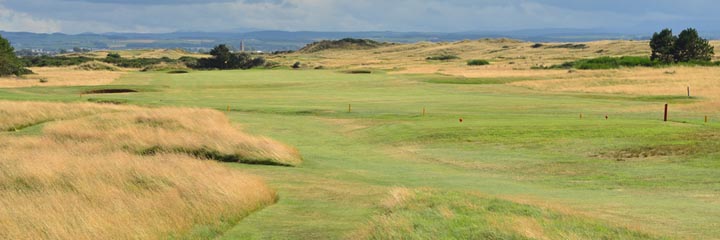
x=59 y=190
x=203 y=133
x=651 y=83
x=61 y=76
x=97 y=66
x=18 y=115
x=82 y=177
x=508 y=57
x=434 y=214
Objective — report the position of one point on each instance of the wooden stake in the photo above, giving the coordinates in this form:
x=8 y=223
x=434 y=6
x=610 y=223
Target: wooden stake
x=349 y=108
x=581 y=116
x=666 y=113
x=228 y=108
x=688 y=91
x=423 y=111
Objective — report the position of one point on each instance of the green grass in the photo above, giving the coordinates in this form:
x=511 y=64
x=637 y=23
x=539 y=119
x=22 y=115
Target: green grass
x=514 y=144
x=460 y=215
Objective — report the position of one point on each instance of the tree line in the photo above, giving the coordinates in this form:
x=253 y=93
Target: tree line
x=688 y=46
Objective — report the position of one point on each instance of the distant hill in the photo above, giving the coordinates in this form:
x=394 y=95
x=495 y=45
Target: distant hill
x=344 y=44
x=282 y=40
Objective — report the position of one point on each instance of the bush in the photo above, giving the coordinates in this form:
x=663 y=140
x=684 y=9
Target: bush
x=537 y=45
x=54 y=61
x=478 y=62
x=570 y=46
x=608 y=63
x=446 y=57
x=297 y=65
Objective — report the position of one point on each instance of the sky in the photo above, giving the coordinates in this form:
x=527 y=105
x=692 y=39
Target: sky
x=160 y=16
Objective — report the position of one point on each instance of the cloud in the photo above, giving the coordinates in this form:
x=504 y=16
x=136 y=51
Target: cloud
x=17 y=21
x=75 y=16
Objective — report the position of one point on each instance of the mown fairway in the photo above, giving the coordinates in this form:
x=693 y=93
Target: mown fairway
x=631 y=176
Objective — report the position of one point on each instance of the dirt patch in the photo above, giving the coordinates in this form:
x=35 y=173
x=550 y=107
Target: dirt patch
x=110 y=91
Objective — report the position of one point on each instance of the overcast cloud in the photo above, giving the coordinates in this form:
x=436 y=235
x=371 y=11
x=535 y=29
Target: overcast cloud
x=76 y=16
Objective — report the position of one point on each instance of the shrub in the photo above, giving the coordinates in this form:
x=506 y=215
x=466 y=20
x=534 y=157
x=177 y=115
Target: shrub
x=537 y=45
x=54 y=61
x=608 y=63
x=359 y=71
x=445 y=57
x=478 y=62
x=296 y=65
x=570 y=46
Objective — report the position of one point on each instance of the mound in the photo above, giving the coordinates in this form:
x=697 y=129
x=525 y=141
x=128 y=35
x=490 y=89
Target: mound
x=203 y=133
x=342 y=44
x=97 y=66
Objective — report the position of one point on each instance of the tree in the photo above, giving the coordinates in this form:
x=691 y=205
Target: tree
x=663 y=46
x=222 y=57
x=691 y=47
x=9 y=63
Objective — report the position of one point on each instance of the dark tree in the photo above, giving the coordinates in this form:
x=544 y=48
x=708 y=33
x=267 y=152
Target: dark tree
x=222 y=57
x=663 y=46
x=691 y=47
x=9 y=63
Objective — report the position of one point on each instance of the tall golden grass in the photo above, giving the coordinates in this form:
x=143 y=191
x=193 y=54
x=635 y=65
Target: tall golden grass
x=673 y=81
x=504 y=54
x=83 y=179
x=61 y=76
x=16 y=115
x=53 y=190
x=199 y=131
